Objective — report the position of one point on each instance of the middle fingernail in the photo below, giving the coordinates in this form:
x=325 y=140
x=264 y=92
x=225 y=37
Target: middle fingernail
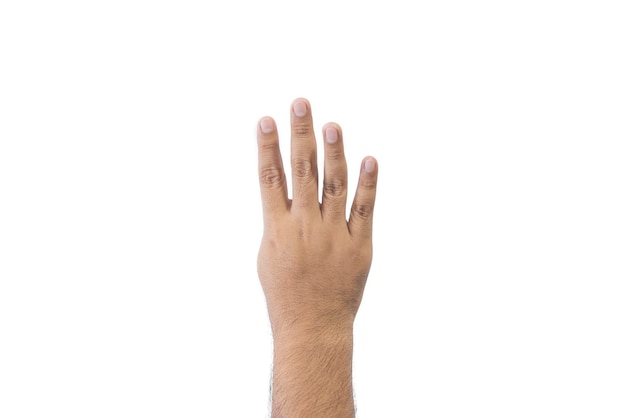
x=299 y=109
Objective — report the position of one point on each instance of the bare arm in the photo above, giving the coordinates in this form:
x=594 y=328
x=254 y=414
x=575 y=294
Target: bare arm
x=313 y=265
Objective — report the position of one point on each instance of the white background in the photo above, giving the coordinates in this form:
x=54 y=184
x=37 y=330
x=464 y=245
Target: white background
x=130 y=214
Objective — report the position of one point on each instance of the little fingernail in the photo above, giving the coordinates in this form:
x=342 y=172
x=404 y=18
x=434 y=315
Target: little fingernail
x=267 y=125
x=299 y=109
x=331 y=135
x=370 y=165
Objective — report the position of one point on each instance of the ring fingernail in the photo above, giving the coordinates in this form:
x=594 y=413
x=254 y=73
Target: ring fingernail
x=331 y=135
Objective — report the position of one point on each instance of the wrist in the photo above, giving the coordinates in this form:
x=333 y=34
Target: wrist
x=330 y=337
x=322 y=327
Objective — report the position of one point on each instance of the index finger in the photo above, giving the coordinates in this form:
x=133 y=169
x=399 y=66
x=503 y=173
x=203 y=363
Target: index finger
x=271 y=173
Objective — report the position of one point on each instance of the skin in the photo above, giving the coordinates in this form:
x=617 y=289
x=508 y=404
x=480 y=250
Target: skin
x=313 y=265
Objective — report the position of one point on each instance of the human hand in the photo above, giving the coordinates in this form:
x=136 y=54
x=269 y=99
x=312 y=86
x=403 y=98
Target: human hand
x=312 y=264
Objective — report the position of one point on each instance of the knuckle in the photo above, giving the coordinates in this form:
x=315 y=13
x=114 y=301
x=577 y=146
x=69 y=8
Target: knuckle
x=302 y=168
x=363 y=210
x=335 y=187
x=268 y=145
x=334 y=155
x=367 y=184
x=271 y=176
x=302 y=128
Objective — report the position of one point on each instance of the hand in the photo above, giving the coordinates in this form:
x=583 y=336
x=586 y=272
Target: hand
x=312 y=264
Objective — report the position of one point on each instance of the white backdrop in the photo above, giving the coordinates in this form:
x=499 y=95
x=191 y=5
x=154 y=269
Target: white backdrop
x=130 y=213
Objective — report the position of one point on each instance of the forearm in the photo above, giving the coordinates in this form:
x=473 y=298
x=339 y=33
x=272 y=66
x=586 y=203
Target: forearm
x=312 y=374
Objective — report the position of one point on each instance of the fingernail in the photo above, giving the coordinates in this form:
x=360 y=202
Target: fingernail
x=369 y=165
x=267 y=125
x=331 y=135
x=299 y=109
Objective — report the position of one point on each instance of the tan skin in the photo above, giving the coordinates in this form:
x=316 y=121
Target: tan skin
x=313 y=265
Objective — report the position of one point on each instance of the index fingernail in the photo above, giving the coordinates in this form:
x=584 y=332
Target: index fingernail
x=267 y=125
